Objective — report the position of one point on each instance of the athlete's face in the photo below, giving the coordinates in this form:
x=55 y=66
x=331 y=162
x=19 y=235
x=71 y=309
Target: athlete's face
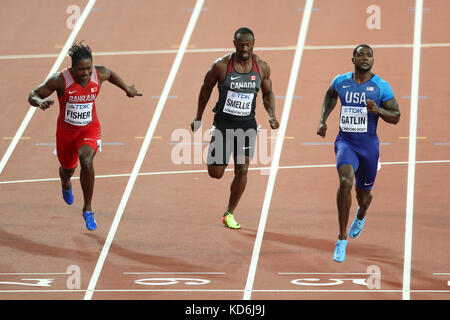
x=363 y=59
x=82 y=71
x=244 y=45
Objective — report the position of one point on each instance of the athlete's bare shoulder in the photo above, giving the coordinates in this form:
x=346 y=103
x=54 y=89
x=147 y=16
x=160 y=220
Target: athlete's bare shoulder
x=218 y=69
x=100 y=68
x=56 y=82
x=103 y=73
x=220 y=64
x=263 y=67
x=223 y=60
x=56 y=77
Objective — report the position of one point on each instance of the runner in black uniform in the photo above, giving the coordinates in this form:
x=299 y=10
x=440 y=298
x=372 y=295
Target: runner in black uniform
x=239 y=76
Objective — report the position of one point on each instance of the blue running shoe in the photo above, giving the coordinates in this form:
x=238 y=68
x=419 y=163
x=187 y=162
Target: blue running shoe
x=356 y=227
x=67 y=195
x=339 y=251
x=89 y=219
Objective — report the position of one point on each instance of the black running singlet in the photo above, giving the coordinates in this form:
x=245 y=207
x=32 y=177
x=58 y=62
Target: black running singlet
x=237 y=93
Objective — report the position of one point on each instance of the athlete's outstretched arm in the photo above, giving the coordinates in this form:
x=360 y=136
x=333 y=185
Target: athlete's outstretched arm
x=388 y=111
x=108 y=75
x=267 y=94
x=209 y=82
x=37 y=96
x=329 y=102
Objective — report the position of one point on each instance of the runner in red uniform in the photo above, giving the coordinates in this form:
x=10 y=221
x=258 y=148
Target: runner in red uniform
x=78 y=133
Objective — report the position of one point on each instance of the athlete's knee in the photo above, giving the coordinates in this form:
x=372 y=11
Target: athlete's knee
x=241 y=170
x=86 y=157
x=345 y=183
x=86 y=161
x=216 y=172
x=346 y=177
x=364 y=198
x=67 y=173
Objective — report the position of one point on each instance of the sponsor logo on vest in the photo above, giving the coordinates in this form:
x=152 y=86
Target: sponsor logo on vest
x=78 y=114
x=238 y=104
x=353 y=119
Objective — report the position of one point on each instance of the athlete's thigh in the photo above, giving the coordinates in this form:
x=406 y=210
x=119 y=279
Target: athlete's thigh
x=368 y=164
x=219 y=150
x=345 y=154
x=245 y=142
x=66 y=148
x=90 y=136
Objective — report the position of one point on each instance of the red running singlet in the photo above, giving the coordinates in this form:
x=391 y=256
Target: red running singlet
x=78 y=123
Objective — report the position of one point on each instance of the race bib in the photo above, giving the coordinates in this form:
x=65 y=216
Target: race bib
x=238 y=104
x=78 y=114
x=353 y=119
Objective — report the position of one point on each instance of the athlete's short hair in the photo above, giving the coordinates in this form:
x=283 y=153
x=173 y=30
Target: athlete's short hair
x=79 y=52
x=363 y=45
x=243 y=30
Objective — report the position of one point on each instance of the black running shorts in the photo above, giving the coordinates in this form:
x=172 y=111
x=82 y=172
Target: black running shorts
x=227 y=137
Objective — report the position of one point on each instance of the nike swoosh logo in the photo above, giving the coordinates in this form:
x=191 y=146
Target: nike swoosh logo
x=234 y=78
x=368 y=184
x=345 y=87
x=70 y=92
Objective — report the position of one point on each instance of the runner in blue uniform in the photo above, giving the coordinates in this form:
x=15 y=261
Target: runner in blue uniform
x=365 y=98
x=239 y=77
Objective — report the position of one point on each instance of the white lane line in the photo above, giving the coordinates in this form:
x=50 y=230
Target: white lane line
x=412 y=150
x=144 y=148
x=208 y=290
x=225 y=290
x=214 y=50
x=306 y=166
x=198 y=273
x=33 y=273
x=279 y=144
x=330 y=273
x=54 y=69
